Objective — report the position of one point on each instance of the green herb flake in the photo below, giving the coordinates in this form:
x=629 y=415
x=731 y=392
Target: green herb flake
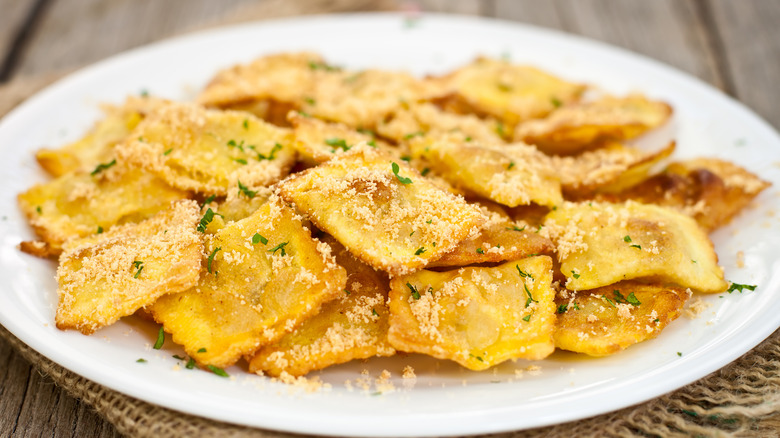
x=467 y=139
x=347 y=292
x=425 y=171
x=279 y=247
x=627 y=238
x=401 y=179
x=310 y=101
x=208 y=201
x=103 y=166
x=272 y=155
x=337 y=143
x=679 y=354
x=575 y=275
x=563 y=308
x=211 y=258
x=100 y=230
x=406 y=158
x=635 y=246
x=190 y=364
x=527 y=318
x=480 y=251
x=318 y=65
x=479 y=358
x=740 y=287
x=371 y=143
x=201 y=350
x=168 y=151
x=373 y=312
x=515 y=228
x=500 y=130
x=141 y=360
x=413 y=134
x=160 y=339
x=232 y=143
x=244 y=190
x=414 y=291
x=139 y=265
x=555 y=102
x=218 y=371
x=412 y=233
x=39 y=209
x=240 y=161
x=176 y=356
x=429 y=221
x=257 y=238
x=657 y=320
x=206 y=220
x=632 y=299
x=245 y=124
x=530 y=297
x=523 y=274
x=511 y=165
x=420 y=250
x=611 y=303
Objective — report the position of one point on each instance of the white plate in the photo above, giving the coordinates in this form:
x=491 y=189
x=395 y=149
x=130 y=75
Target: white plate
x=445 y=399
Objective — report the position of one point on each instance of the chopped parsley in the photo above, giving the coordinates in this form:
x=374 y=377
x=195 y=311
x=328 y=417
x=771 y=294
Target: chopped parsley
x=511 y=165
x=240 y=146
x=373 y=311
x=479 y=358
x=413 y=134
x=500 y=129
x=141 y=360
x=468 y=139
x=627 y=238
x=414 y=291
x=208 y=201
x=563 y=308
x=657 y=320
x=420 y=250
x=523 y=274
x=527 y=318
x=429 y=221
x=242 y=189
x=310 y=101
x=406 y=158
x=515 y=228
x=530 y=297
x=103 y=166
x=277 y=147
x=556 y=103
x=100 y=230
x=740 y=287
x=425 y=171
x=190 y=364
x=371 y=143
x=218 y=371
x=278 y=248
x=39 y=209
x=366 y=132
x=139 y=265
x=347 y=292
x=201 y=350
x=257 y=238
x=635 y=246
x=206 y=220
x=401 y=179
x=246 y=124
x=337 y=143
x=211 y=258
x=160 y=339
x=240 y=161
x=176 y=356
x=168 y=151
x=575 y=275
x=480 y=251
x=611 y=303
x=679 y=354
x=319 y=65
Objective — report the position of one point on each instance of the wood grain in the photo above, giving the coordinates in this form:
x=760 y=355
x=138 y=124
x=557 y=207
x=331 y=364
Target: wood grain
x=13 y=14
x=748 y=33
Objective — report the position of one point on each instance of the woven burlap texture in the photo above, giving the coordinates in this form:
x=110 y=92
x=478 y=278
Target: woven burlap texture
x=742 y=399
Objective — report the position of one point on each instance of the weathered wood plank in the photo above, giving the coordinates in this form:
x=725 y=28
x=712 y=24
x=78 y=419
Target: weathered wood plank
x=14 y=375
x=747 y=31
x=666 y=30
x=13 y=14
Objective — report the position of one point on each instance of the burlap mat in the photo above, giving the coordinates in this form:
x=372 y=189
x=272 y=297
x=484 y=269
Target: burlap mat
x=742 y=399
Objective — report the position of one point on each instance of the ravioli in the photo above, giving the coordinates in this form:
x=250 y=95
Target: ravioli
x=600 y=244
x=606 y=320
x=383 y=211
x=509 y=92
x=264 y=275
x=79 y=204
x=412 y=120
x=579 y=127
x=710 y=190
x=97 y=146
x=353 y=326
x=509 y=174
x=206 y=151
x=477 y=317
x=104 y=277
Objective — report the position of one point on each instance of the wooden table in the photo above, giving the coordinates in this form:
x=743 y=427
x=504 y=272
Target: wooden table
x=733 y=45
